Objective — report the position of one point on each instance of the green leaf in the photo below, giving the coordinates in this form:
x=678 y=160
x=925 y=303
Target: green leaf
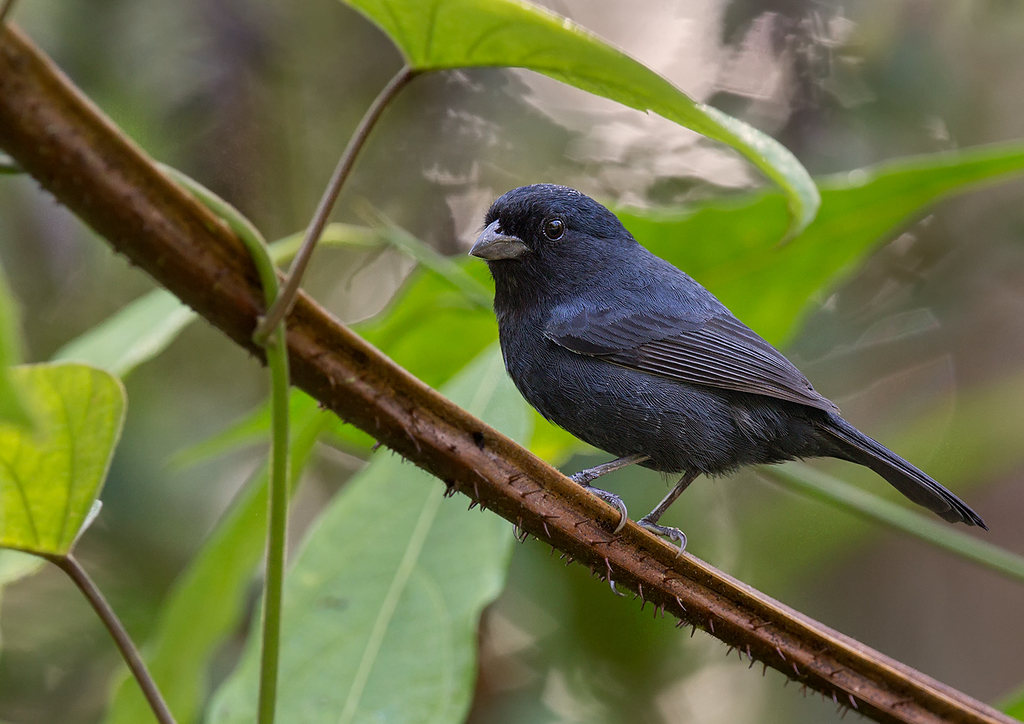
x=250 y=429
x=416 y=329
x=438 y=34
x=382 y=605
x=50 y=478
x=146 y=327
x=1014 y=706
x=731 y=247
x=813 y=483
x=15 y=565
x=444 y=266
x=12 y=409
x=136 y=334
x=336 y=235
x=208 y=600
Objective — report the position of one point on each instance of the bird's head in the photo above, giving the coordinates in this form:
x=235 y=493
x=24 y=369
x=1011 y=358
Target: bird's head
x=547 y=236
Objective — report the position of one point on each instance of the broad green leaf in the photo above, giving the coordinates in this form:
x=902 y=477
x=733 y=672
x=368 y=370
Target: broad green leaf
x=382 y=605
x=50 y=478
x=433 y=303
x=12 y=409
x=336 y=235
x=251 y=429
x=135 y=334
x=207 y=602
x=815 y=484
x=146 y=327
x=438 y=34
x=731 y=248
x=431 y=329
x=444 y=266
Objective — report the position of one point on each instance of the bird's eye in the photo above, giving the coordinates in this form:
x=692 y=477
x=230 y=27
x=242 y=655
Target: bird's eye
x=554 y=228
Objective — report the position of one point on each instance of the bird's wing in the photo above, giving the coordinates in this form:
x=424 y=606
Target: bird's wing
x=716 y=351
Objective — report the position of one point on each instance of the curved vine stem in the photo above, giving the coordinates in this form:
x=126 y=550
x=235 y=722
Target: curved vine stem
x=280 y=308
x=70 y=565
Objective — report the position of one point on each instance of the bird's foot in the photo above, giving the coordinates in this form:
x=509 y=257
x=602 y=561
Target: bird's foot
x=673 y=534
x=613 y=500
x=584 y=477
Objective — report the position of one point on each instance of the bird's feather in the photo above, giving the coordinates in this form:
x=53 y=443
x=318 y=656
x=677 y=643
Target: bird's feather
x=719 y=352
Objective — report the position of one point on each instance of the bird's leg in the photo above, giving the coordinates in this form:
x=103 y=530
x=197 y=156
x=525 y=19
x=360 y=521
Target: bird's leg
x=650 y=521
x=584 y=477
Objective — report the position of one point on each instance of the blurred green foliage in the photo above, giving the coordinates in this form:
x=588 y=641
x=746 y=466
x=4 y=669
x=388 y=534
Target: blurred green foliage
x=209 y=598
x=12 y=410
x=556 y=645
x=384 y=600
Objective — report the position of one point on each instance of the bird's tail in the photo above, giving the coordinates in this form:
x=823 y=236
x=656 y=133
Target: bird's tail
x=903 y=476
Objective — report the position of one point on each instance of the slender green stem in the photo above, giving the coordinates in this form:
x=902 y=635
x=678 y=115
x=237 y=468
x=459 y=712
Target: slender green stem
x=70 y=565
x=277 y=528
x=277 y=519
x=286 y=299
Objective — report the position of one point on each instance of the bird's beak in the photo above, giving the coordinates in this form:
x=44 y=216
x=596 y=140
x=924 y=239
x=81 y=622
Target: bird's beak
x=493 y=245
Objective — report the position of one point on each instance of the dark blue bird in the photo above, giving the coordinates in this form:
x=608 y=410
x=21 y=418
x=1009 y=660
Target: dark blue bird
x=630 y=354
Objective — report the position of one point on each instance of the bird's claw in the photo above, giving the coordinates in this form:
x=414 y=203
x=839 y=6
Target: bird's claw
x=673 y=534
x=613 y=500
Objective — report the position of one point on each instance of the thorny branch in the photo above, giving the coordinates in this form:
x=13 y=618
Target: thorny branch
x=77 y=154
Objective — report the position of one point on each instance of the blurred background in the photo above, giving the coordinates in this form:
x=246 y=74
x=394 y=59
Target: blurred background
x=922 y=347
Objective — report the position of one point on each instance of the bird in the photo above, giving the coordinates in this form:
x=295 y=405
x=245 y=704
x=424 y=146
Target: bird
x=633 y=356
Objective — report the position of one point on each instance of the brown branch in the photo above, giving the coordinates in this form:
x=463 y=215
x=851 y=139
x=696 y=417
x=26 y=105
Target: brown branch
x=78 y=155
